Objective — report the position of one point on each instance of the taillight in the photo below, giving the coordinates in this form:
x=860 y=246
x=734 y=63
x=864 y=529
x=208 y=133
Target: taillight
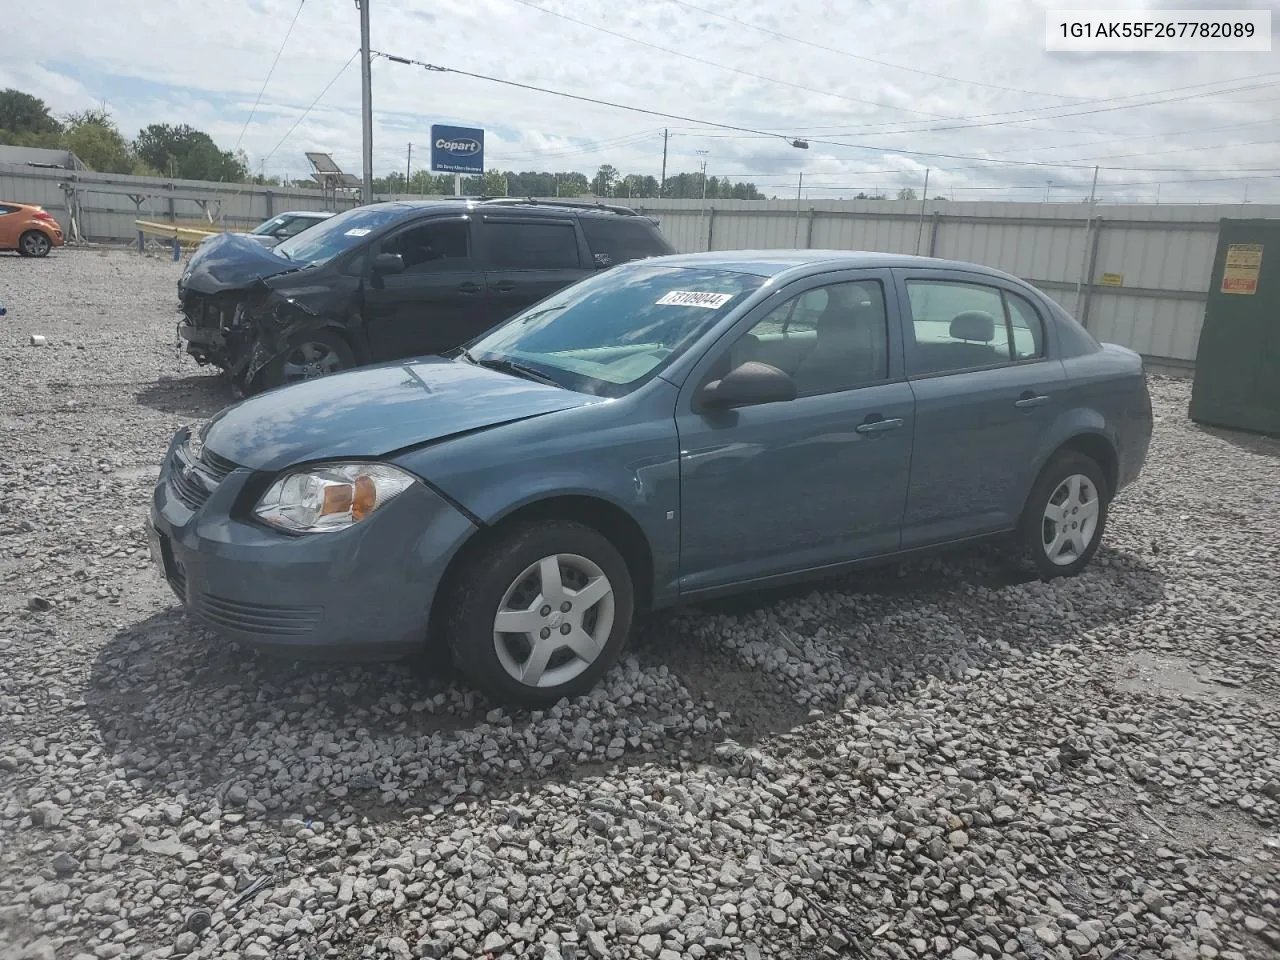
x=44 y=215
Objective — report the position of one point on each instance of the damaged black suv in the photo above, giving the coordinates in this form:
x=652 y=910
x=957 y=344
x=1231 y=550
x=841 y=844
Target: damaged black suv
x=392 y=280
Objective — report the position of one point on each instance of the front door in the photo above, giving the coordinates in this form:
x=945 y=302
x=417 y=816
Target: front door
x=527 y=259
x=987 y=389
x=436 y=303
x=819 y=480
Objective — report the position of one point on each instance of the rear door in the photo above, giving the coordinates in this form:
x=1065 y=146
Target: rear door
x=435 y=304
x=526 y=259
x=982 y=364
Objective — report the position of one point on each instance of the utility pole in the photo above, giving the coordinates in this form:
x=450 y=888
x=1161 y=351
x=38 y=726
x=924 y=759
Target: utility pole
x=702 y=210
x=408 y=165
x=795 y=240
x=366 y=100
x=924 y=197
x=1088 y=232
x=662 y=184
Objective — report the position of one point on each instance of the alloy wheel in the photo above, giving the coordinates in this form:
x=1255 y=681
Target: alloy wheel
x=35 y=244
x=554 y=620
x=1070 y=520
x=310 y=360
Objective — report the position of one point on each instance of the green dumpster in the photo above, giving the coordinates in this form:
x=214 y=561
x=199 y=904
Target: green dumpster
x=1237 y=380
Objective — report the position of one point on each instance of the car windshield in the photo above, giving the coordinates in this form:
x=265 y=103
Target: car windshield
x=339 y=233
x=611 y=333
x=273 y=224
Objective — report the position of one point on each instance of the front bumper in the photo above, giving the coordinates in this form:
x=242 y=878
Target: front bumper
x=363 y=592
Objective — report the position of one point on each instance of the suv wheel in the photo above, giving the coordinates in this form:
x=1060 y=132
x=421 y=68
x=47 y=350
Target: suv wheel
x=310 y=354
x=541 y=613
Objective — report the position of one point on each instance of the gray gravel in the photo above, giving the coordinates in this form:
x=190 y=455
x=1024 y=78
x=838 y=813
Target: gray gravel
x=933 y=760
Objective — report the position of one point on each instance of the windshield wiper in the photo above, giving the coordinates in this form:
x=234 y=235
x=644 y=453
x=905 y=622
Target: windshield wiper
x=504 y=365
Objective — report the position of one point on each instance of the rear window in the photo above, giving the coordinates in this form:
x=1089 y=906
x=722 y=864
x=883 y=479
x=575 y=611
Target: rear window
x=619 y=239
x=531 y=245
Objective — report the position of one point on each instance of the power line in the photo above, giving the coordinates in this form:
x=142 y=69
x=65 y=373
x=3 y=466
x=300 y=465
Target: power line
x=303 y=116
x=1013 y=115
x=288 y=33
x=724 y=66
x=882 y=63
x=435 y=68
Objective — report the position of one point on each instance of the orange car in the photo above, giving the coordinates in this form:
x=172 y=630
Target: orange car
x=29 y=229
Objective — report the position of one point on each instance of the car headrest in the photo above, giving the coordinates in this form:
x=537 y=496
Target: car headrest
x=973 y=325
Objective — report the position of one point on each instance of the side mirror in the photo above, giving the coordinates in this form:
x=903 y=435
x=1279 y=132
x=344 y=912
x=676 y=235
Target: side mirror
x=747 y=385
x=385 y=263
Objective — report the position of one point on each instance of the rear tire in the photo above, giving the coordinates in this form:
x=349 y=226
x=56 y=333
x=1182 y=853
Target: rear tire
x=33 y=243
x=1065 y=516
x=566 y=594
x=309 y=355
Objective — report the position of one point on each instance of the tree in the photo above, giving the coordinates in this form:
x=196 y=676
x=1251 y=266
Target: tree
x=92 y=136
x=495 y=184
x=21 y=113
x=906 y=193
x=605 y=178
x=182 y=151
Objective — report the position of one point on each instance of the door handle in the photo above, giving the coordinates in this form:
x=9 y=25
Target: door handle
x=505 y=287
x=469 y=287
x=1030 y=399
x=878 y=426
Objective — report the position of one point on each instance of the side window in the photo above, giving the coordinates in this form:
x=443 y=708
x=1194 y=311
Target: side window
x=1026 y=326
x=6 y=210
x=956 y=326
x=296 y=225
x=617 y=239
x=432 y=247
x=531 y=245
x=827 y=339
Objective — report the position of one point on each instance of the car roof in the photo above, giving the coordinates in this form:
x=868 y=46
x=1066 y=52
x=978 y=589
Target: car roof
x=771 y=263
x=516 y=205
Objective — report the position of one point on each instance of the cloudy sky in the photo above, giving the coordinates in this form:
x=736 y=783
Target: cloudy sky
x=883 y=89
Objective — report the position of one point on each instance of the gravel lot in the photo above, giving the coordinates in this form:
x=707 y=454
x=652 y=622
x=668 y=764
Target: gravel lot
x=934 y=760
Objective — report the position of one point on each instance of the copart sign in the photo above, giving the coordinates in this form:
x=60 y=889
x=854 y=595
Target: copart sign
x=457 y=149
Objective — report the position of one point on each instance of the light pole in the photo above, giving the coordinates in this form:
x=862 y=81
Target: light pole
x=366 y=100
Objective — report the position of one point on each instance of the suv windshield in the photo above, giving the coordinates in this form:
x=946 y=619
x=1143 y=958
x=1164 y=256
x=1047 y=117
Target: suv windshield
x=611 y=333
x=339 y=233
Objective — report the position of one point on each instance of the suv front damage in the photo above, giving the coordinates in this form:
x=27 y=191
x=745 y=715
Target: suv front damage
x=233 y=314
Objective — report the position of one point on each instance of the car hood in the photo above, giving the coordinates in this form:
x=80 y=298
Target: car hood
x=375 y=411
x=231 y=260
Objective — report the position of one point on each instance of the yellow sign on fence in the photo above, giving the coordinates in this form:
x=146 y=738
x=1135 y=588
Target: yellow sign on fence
x=1244 y=262
x=1112 y=280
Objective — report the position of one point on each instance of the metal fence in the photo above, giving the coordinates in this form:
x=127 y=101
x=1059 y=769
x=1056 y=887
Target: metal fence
x=1135 y=274
x=106 y=205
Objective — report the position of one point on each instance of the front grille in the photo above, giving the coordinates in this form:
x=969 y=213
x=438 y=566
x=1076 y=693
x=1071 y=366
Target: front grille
x=189 y=486
x=257 y=618
x=217 y=467
x=195 y=482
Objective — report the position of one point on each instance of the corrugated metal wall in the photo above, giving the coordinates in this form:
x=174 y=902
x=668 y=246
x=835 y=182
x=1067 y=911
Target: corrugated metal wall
x=1163 y=253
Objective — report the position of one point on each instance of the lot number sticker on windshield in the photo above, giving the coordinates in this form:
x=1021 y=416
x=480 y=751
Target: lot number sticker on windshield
x=358 y=232
x=692 y=298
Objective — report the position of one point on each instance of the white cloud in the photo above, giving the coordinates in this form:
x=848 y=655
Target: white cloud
x=183 y=61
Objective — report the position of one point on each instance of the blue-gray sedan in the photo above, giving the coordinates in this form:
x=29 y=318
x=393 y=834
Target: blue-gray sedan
x=663 y=431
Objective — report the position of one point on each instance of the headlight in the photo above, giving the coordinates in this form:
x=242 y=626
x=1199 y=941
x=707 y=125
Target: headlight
x=330 y=496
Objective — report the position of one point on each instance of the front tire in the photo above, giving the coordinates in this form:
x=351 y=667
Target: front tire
x=309 y=355
x=33 y=243
x=1065 y=516
x=540 y=613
